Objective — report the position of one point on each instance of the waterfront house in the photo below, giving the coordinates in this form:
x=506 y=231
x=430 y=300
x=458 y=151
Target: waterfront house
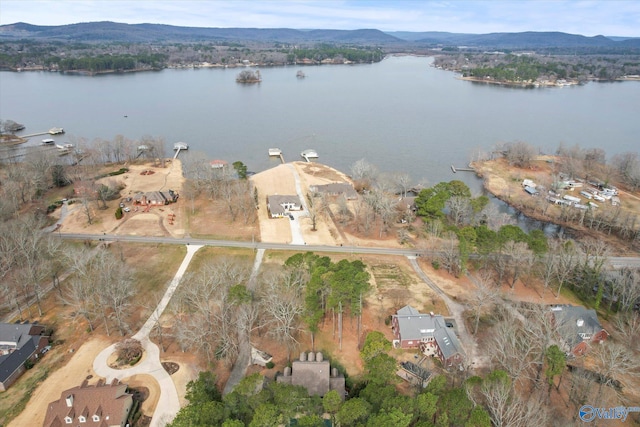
x=279 y=205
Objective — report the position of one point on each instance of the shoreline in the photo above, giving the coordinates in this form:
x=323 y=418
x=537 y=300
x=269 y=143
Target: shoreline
x=510 y=195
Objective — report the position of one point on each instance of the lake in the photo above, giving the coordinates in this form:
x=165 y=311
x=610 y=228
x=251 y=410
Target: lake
x=400 y=114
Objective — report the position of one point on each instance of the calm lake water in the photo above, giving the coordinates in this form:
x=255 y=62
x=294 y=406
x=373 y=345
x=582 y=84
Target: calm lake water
x=400 y=114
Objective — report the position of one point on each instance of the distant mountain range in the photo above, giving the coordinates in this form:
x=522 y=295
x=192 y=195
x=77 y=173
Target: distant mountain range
x=145 y=33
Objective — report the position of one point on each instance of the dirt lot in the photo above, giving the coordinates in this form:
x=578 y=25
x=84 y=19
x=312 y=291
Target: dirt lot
x=139 y=179
x=280 y=180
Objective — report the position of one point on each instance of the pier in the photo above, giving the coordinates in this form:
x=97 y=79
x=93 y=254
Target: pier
x=455 y=169
x=276 y=152
x=52 y=131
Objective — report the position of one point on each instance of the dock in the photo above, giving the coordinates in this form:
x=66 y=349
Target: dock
x=309 y=154
x=276 y=152
x=52 y=131
x=455 y=169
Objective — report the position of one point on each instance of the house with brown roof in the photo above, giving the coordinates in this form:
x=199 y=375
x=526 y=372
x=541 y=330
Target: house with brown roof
x=429 y=333
x=280 y=205
x=155 y=198
x=336 y=189
x=578 y=328
x=315 y=374
x=100 y=405
x=19 y=343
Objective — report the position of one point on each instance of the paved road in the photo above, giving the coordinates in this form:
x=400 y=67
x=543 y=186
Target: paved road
x=168 y=402
x=615 y=262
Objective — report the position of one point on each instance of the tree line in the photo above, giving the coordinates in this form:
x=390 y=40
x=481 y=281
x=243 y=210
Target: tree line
x=529 y=67
x=97 y=57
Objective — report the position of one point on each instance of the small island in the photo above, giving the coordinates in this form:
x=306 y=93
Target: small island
x=248 y=76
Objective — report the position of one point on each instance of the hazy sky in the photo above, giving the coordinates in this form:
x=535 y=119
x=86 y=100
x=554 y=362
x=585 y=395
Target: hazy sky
x=587 y=17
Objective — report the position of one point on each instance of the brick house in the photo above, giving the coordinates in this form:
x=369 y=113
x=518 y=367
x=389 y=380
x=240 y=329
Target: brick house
x=101 y=405
x=578 y=328
x=429 y=333
x=155 y=198
x=18 y=344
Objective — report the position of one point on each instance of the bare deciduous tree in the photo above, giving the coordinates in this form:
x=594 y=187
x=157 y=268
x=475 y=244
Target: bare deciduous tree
x=520 y=153
x=483 y=297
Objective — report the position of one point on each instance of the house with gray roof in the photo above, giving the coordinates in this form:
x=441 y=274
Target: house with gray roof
x=315 y=374
x=578 y=328
x=280 y=205
x=429 y=333
x=336 y=189
x=19 y=342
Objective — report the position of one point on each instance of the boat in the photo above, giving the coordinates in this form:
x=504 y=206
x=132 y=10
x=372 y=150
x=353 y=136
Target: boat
x=309 y=154
x=143 y=147
x=64 y=146
x=275 y=151
x=300 y=74
x=48 y=141
x=56 y=131
x=180 y=146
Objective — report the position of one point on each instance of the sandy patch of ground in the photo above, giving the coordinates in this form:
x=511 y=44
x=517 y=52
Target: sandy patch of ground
x=148 y=407
x=280 y=180
x=155 y=223
x=71 y=375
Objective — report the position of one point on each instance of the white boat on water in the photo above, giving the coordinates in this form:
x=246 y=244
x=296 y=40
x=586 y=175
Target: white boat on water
x=48 y=141
x=275 y=151
x=64 y=146
x=143 y=147
x=180 y=146
x=309 y=154
x=56 y=131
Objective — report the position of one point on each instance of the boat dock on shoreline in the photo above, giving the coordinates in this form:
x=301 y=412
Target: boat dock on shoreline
x=455 y=169
x=276 y=152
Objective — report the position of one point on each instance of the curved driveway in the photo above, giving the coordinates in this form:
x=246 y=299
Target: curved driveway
x=168 y=402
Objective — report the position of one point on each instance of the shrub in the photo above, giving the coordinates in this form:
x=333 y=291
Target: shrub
x=270 y=365
x=435 y=264
x=119 y=213
x=129 y=351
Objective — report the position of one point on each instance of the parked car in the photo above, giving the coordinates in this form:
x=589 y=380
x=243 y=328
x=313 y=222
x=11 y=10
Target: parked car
x=127 y=209
x=44 y=350
x=291 y=217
